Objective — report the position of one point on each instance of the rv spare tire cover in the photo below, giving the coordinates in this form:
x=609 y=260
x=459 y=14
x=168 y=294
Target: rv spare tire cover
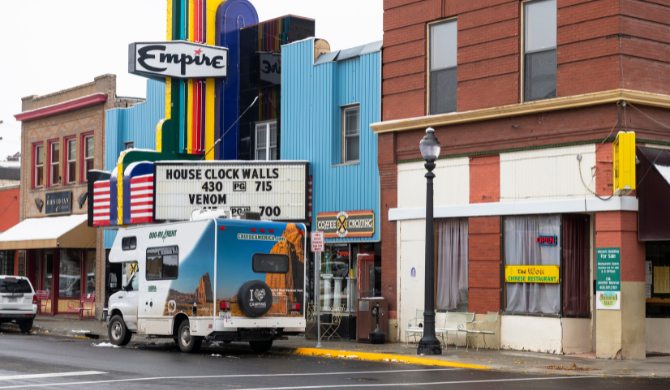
x=254 y=298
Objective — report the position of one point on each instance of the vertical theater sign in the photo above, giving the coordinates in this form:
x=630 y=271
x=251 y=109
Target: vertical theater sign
x=180 y=176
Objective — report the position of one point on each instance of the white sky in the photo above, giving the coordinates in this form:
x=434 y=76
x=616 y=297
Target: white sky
x=50 y=45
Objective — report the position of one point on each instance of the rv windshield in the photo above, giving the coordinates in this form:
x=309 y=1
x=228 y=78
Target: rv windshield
x=134 y=283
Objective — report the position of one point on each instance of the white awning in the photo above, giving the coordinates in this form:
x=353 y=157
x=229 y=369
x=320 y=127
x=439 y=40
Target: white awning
x=70 y=231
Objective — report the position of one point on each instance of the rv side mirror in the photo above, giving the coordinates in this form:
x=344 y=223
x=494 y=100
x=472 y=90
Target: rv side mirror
x=112 y=280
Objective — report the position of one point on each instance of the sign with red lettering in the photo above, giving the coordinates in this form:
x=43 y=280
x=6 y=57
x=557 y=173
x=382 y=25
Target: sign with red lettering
x=547 y=240
x=317 y=242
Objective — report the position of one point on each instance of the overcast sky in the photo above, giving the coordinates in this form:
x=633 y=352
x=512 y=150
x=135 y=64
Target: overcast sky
x=49 y=45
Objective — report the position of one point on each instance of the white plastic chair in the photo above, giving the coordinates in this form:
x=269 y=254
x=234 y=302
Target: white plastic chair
x=414 y=329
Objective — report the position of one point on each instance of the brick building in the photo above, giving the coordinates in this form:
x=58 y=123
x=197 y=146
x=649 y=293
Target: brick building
x=526 y=98
x=62 y=138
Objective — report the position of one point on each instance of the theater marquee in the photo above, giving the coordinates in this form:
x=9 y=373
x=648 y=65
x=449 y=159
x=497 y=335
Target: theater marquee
x=276 y=190
x=346 y=224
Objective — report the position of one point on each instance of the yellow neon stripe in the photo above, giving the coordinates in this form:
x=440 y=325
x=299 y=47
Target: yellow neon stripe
x=169 y=20
x=168 y=98
x=384 y=356
x=210 y=93
x=189 y=117
x=209 y=118
x=190 y=21
x=119 y=195
x=159 y=135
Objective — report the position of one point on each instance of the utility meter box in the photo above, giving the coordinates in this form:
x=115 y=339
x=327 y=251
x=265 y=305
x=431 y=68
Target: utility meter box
x=624 y=163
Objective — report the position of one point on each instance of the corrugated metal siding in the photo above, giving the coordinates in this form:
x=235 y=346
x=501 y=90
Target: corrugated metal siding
x=450 y=187
x=546 y=174
x=312 y=97
x=137 y=124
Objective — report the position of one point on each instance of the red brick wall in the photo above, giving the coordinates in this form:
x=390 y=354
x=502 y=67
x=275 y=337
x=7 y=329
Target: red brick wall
x=485 y=179
x=484 y=264
x=388 y=176
x=618 y=229
x=604 y=176
x=589 y=50
x=9 y=208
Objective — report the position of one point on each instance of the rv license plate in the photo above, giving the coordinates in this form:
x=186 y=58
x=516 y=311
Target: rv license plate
x=12 y=299
x=225 y=315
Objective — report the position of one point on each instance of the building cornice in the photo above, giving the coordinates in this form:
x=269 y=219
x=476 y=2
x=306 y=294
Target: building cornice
x=560 y=103
x=60 y=108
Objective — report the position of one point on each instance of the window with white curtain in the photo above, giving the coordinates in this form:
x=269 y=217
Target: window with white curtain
x=521 y=248
x=351 y=134
x=452 y=264
x=266 y=141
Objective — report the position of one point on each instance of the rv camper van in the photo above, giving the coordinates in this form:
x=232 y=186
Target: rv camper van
x=214 y=279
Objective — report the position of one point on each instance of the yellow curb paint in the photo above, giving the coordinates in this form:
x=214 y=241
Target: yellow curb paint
x=382 y=356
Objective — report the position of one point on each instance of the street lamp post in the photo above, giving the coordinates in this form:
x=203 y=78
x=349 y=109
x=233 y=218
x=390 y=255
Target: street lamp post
x=429 y=344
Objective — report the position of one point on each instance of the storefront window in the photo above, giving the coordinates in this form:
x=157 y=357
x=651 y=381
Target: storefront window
x=522 y=248
x=90 y=271
x=47 y=270
x=657 y=268
x=69 y=280
x=337 y=280
x=452 y=264
x=6 y=262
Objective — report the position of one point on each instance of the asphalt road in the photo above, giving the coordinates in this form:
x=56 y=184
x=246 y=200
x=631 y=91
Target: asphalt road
x=55 y=362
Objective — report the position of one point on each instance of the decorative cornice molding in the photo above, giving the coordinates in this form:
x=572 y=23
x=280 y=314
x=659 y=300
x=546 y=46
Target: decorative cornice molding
x=60 y=108
x=561 y=103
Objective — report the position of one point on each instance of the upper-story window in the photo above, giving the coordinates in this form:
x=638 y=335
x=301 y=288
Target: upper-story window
x=54 y=159
x=39 y=166
x=71 y=165
x=539 y=50
x=351 y=134
x=88 y=155
x=443 y=67
x=266 y=141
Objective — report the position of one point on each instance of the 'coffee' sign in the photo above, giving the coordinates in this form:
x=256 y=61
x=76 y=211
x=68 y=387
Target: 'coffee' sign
x=58 y=202
x=346 y=224
x=178 y=59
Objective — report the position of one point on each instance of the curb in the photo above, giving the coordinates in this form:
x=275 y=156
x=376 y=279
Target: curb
x=382 y=357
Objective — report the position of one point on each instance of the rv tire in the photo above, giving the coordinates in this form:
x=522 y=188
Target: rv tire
x=260 y=346
x=118 y=332
x=187 y=343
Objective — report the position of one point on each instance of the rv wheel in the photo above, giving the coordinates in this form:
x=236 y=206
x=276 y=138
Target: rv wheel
x=187 y=342
x=254 y=298
x=260 y=346
x=118 y=332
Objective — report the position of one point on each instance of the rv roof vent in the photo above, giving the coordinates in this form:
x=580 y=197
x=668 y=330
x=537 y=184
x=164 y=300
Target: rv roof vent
x=250 y=215
x=200 y=214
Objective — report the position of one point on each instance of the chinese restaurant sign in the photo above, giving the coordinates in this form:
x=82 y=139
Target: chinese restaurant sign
x=58 y=202
x=608 y=278
x=532 y=274
x=346 y=224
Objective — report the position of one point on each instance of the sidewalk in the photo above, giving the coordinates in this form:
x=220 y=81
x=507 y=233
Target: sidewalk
x=504 y=360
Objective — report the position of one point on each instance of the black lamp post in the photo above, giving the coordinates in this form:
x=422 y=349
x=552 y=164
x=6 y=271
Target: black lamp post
x=429 y=344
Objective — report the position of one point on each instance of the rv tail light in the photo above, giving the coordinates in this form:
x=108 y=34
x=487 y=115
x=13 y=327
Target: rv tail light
x=34 y=299
x=222 y=228
x=295 y=306
x=301 y=232
x=225 y=305
x=28 y=315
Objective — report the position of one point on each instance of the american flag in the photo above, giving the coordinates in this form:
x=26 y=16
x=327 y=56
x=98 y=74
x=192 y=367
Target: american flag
x=101 y=203
x=141 y=199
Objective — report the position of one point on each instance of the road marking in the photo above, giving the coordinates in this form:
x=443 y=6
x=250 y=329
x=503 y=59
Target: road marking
x=221 y=376
x=416 y=384
x=51 y=375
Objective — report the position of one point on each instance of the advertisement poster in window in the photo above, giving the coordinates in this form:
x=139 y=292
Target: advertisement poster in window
x=608 y=279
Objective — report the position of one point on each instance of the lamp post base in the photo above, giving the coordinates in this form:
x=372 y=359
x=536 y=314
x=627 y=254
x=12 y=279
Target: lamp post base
x=429 y=347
